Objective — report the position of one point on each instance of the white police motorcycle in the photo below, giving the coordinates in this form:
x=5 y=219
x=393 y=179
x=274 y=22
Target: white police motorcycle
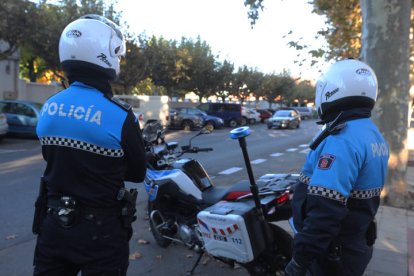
x=232 y=224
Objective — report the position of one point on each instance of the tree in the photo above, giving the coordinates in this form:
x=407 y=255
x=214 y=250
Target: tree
x=17 y=18
x=225 y=78
x=133 y=67
x=304 y=92
x=254 y=83
x=164 y=67
x=277 y=88
x=385 y=46
x=200 y=67
x=269 y=87
x=246 y=81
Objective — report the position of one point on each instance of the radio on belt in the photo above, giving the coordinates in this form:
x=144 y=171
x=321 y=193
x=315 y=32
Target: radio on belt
x=232 y=230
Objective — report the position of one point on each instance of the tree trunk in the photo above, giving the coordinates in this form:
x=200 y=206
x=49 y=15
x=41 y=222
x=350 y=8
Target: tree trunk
x=31 y=70
x=385 y=47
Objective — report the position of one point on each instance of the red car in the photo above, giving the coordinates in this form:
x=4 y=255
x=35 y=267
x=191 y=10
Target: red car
x=264 y=115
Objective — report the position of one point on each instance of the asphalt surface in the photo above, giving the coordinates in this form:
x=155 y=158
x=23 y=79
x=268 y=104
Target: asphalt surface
x=21 y=164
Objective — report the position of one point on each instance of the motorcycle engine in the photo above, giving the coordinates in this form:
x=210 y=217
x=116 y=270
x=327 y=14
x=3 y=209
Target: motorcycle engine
x=188 y=235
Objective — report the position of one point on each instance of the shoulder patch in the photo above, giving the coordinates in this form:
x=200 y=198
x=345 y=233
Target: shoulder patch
x=325 y=161
x=126 y=106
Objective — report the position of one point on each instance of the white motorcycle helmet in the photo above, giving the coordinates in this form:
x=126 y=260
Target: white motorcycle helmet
x=346 y=84
x=92 y=42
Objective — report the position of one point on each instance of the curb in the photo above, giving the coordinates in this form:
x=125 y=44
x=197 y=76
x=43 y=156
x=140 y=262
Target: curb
x=410 y=244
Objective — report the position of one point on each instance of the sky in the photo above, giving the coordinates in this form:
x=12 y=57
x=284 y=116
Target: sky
x=224 y=25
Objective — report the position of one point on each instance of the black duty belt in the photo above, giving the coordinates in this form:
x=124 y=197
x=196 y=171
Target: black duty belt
x=56 y=204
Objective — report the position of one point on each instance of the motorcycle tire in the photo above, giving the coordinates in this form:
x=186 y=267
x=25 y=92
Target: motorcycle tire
x=282 y=249
x=160 y=240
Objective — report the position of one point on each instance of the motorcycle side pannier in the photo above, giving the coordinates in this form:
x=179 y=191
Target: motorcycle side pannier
x=232 y=230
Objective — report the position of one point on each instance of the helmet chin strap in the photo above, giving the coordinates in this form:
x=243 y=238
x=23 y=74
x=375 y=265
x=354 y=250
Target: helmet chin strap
x=346 y=115
x=331 y=128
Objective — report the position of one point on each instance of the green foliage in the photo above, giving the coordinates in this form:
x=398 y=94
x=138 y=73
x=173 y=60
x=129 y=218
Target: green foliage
x=304 y=92
x=278 y=88
x=152 y=66
x=247 y=81
x=224 y=77
x=29 y=26
x=163 y=66
x=17 y=21
x=147 y=87
x=255 y=6
x=201 y=68
x=133 y=68
x=343 y=31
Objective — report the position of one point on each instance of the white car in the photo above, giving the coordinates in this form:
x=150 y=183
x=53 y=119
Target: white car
x=304 y=112
x=4 y=127
x=140 y=118
x=250 y=115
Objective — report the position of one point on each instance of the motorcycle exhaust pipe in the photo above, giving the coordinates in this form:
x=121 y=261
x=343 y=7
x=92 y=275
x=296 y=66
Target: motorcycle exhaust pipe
x=153 y=215
x=154 y=221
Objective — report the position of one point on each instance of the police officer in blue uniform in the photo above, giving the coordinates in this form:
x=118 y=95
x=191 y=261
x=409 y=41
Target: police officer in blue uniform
x=91 y=143
x=338 y=194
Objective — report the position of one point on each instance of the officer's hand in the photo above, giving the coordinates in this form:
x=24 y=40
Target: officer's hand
x=294 y=269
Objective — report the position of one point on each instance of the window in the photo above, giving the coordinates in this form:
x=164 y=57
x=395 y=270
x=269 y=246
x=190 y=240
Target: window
x=23 y=109
x=194 y=111
x=203 y=107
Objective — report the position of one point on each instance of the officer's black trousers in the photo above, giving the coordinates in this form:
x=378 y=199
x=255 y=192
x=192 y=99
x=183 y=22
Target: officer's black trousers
x=95 y=245
x=352 y=264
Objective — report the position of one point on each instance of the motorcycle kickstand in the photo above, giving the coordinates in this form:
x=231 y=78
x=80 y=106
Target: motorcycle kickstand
x=200 y=255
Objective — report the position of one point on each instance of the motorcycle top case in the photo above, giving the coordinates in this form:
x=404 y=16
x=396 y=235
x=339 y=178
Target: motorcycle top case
x=232 y=230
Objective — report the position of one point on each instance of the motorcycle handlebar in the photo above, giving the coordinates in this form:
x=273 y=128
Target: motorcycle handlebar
x=203 y=149
x=187 y=149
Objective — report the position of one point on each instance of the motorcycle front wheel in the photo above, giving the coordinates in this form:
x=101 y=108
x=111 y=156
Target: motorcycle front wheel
x=274 y=260
x=158 y=229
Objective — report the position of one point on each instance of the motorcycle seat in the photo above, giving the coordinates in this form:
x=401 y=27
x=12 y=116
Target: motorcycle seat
x=215 y=194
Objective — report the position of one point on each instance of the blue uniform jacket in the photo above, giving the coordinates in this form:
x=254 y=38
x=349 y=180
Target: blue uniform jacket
x=339 y=193
x=91 y=144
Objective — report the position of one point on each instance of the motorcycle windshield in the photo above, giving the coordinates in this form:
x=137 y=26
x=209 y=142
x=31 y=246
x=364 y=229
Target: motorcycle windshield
x=200 y=177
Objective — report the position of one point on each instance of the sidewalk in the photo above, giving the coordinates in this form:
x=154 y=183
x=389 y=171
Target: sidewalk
x=394 y=248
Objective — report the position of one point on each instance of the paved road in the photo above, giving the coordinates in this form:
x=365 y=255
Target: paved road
x=21 y=164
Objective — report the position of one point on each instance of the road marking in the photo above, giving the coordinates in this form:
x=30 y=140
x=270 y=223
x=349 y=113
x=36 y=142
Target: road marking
x=258 y=161
x=292 y=149
x=303 y=145
x=305 y=151
x=9 y=151
x=231 y=170
x=277 y=154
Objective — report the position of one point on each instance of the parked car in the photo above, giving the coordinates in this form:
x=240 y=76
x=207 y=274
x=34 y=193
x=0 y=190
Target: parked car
x=140 y=118
x=4 y=127
x=264 y=115
x=304 y=112
x=189 y=118
x=251 y=115
x=284 y=119
x=22 y=116
x=231 y=113
x=212 y=122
